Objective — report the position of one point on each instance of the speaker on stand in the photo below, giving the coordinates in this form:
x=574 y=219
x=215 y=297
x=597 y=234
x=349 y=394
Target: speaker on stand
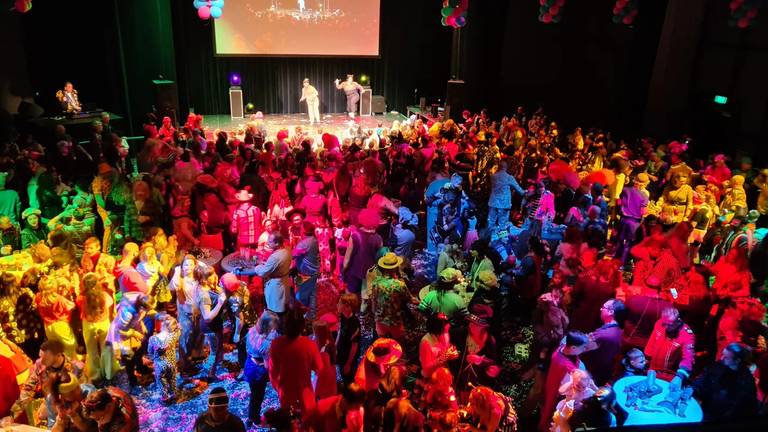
x=166 y=99
x=454 y=98
x=236 y=106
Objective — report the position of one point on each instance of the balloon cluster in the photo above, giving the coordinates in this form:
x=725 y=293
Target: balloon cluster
x=22 y=6
x=207 y=9
x=625 y=11
x=743 y=12
x=551 y=11
x=454 y=13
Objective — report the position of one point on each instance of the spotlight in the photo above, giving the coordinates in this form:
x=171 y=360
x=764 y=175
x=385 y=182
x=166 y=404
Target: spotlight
x=364 y=79
x=234 y=79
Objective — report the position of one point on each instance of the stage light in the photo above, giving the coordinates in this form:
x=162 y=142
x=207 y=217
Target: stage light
x=721 y=100
x=249 y=108
x=363 y=79
x=234 y=79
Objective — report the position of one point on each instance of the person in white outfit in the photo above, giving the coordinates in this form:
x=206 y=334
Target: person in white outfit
x=310 y=94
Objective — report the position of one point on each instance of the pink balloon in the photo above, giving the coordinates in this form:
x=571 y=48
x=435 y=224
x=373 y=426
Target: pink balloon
x=743 y=23
x=628 y=19
x=451 y=21
x=547 y=18
x=542 y=2
x=554 y=10
x=204 y=12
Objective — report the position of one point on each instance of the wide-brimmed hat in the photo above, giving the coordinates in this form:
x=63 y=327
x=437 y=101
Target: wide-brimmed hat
x=480 y=315
x=488 y=278
x=29 y=212
x=390 y=260
x=295 y=211
x=243 y=195
x=208 y=180
x=450 y=275
x=230 y=282
x=369 y=218
x=384 y=351
x=642 y=178
x=332 y=321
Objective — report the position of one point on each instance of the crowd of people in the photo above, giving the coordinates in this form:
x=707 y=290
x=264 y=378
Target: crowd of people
x=384 y=266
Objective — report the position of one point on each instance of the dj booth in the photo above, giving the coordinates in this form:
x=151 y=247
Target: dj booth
x=78 y=124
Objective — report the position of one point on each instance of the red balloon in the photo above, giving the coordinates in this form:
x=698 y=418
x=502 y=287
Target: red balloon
x=554 y=10
x=628 y=19
x=621 y=3
x=752 y=13
x=560 y=3
x=23 y=6
x=733 y=5
x=451 y=21
x=633 y=13
x=743 y=23
x=542 y=2
x=547 y=18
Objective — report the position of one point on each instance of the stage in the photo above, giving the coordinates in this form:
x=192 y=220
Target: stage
x=334 y=124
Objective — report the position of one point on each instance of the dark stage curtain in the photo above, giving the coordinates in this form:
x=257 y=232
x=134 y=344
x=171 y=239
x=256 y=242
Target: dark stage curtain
x=414 y=54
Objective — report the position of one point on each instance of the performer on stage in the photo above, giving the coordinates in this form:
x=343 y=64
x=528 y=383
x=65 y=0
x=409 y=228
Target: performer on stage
x=68 y=98
x=310 y=94
x=352 y=90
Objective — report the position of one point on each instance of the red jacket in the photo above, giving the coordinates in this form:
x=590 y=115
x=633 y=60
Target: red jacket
x=671 y=356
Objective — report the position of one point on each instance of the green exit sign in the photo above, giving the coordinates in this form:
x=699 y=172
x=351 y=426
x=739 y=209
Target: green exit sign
x=721 y=100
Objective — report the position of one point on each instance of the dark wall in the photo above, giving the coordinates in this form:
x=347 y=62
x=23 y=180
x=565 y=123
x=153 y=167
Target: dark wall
x=14 y=81
x=415 y=54
x=586 y=70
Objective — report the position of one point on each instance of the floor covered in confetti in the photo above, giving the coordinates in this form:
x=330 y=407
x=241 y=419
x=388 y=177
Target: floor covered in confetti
x=192 y=399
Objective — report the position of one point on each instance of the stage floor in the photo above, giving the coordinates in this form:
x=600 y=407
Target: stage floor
x=331 y=123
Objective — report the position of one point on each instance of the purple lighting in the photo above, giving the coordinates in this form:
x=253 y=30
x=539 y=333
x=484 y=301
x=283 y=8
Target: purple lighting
x=234 y=79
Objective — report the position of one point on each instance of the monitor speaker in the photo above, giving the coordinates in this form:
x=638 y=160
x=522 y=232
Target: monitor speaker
x=166 y=99
x=378 y=104
x=236 y=102
x=454 y=97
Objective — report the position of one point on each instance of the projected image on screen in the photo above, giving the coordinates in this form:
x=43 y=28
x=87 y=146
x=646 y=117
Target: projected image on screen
x=299 y=27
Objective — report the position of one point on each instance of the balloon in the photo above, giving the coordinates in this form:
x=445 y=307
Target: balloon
x=447 y=11
x=560 y=3
x=752 y=13
x=616 y=11
x=733 y=5
x=451 y=20
x=204 y=13
x=621 y=3
x=554 y=10
x=634 y=13
x=542 y=2
x=216 y=12
x=443 y=21
x=628 y=19
x=547 y=18
x=460 y=21
x=23 y=6
x=199 y=3
x=743 y=23
x=217 y=3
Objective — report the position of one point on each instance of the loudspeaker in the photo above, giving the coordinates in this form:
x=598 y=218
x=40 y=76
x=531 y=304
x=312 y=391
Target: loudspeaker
x=378 y=104
x=454 y=97
x=236 y=102
x=422 y=104
x=166 y=99
x=365 y=102
x=30 y=110
x=434 y=110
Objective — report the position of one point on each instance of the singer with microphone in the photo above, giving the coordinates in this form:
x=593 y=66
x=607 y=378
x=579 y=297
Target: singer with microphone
x=352 y=90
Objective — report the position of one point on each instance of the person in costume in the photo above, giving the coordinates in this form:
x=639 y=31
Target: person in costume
x=309 y=93
x=246 y=224
x=352 y=90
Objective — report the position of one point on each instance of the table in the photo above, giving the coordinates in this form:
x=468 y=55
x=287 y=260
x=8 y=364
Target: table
x=658 y=415
x=234 y=263
x=209 y=256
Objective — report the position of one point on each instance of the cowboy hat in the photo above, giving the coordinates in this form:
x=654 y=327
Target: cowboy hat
x=332 y=321
x=642 y=178
x=29 y=212
x=390 y=260
x=208 y=180
x=243 y=195
x=480 y=315
x=295 y=211
x=384 y=351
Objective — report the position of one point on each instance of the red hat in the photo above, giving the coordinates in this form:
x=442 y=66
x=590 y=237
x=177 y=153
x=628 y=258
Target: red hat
x=384 y=351
x=230 y=282
x=330 y=141
x=332 y=321
x=281 y=135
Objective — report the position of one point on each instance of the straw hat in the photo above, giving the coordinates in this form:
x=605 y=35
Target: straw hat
x=384 y=351
x=642 y=179
x=390 y=260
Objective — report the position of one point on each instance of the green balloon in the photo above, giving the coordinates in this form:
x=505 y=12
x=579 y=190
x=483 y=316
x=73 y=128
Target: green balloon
x=446 y=11
x=442 y=20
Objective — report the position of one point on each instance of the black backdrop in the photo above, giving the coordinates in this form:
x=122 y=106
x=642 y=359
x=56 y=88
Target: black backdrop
x=414 y=54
